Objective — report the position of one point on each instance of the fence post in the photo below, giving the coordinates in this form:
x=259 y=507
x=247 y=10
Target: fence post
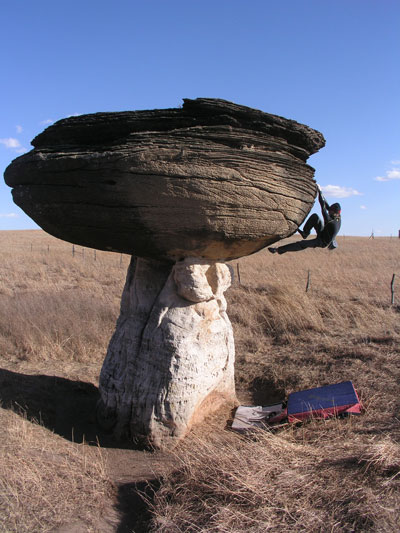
x=95 y=254
x=392 y=288
x=73 y=250
x=238 y=273
x=308 y=280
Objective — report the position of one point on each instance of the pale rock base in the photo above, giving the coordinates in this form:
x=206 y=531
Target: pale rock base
x=170 y=361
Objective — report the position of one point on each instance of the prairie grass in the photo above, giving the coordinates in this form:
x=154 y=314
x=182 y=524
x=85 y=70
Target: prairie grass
x=56 y=306
x=338 y=475
x=57 y=314
x=282 y=482
x=46 y=482
x=56 y=317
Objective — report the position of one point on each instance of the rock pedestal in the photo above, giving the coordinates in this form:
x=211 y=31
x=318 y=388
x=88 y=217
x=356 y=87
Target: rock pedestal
x=171 y=359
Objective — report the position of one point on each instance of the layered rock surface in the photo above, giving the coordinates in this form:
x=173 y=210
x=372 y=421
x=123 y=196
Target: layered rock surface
x=212 y=179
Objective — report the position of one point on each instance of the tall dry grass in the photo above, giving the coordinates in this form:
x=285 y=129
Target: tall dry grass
x=57 y=314
x=343 y=326
x=340 y=475
x=46 y=482
x=56 y=306
x=280 y=482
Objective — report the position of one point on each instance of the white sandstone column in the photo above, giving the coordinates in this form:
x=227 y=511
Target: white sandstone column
x=170 y=361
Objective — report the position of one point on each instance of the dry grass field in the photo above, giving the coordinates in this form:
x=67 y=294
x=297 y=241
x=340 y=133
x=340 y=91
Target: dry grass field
x=58 y=311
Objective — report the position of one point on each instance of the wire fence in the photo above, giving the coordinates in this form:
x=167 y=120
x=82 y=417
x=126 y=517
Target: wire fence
x=121 y=260
x=308 y=282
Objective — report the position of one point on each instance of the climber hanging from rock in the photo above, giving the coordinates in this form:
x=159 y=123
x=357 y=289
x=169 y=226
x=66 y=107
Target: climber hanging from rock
x=326 y=229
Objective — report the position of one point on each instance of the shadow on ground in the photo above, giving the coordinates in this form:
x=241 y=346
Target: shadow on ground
x=66 y=407
x=260 y=391
x=133 y=506
x=265 y=392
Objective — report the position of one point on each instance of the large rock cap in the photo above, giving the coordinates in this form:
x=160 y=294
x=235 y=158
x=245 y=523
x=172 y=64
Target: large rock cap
x=212 y=179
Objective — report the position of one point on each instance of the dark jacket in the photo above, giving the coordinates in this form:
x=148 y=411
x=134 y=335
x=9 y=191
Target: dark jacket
x=331 y=223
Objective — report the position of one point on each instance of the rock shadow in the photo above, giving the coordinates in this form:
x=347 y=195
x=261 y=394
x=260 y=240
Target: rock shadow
x=264 y=391
x=65 y=407
x=133 y=505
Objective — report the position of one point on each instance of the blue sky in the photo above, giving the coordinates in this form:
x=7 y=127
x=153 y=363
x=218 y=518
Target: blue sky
x=331 y=64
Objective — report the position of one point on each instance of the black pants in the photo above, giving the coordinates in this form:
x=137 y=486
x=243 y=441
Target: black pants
x=314 y=222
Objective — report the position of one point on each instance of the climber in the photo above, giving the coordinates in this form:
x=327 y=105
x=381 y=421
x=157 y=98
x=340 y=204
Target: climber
x=326 y=229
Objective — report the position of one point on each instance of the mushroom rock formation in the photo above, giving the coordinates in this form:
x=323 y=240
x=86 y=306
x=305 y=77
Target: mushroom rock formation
x=182 y=191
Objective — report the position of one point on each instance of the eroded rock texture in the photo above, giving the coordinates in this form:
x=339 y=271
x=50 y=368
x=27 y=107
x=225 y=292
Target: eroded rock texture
x=171 y=359
x=211 y=179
